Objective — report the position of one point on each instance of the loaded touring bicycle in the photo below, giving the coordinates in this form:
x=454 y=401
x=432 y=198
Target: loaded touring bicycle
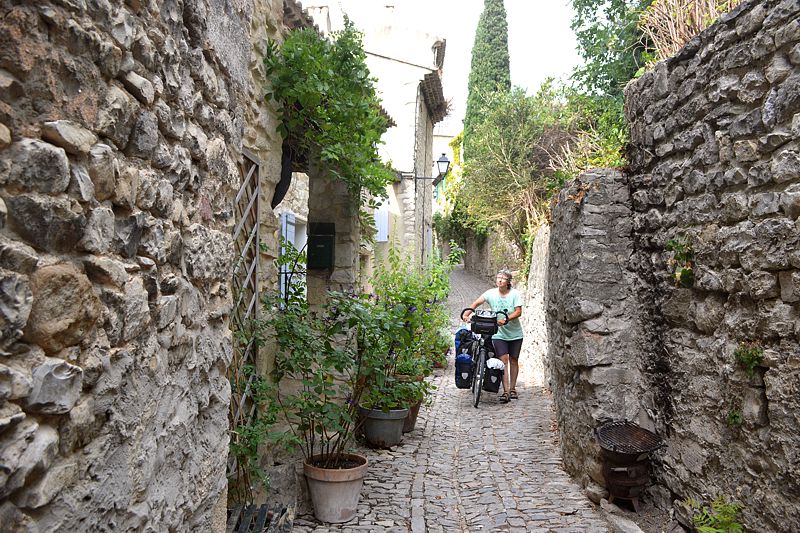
x=473 y=372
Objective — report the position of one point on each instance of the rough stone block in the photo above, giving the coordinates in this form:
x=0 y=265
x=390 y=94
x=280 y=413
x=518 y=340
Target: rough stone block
x=103 y=170
x=790 y=285
x=69 y=135
x=745 y=151
x=763 y=204
x=790 y=201
x=786 y=166
x=99 y=231
x=35 y=165
x=81 y=185
x=117 y=116
x=64 y=309
x=15 y=383
x=39 y=454
x=51 y=483
x=104 y=270
x=10 y=415
x=15 y=306
x=207 y=253
x=5 y=136
x=13 y=444
x=139 y=87
x=761 y=285
x=589 y=349
x=144 y=136
x=56 y=387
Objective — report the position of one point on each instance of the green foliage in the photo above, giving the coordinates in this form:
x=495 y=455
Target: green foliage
x=734 y=418
x=490 y=70
x=749 y=355
x=611 y=43
x=509 y=176
x=247 y=438
x=680 y=260
x=721 y=517
x=329 y=108
x=456 y=253
x=603 y=134
x=325 y=360
x=418 y=295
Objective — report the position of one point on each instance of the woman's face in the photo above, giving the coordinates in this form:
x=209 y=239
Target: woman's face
x=501 y=280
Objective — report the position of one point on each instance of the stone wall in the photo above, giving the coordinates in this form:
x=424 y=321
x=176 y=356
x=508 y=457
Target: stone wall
x=534 y=317
x=592 y=311
x=715 y=161
x=485 y=256
x=715 y=158
x=120 y=131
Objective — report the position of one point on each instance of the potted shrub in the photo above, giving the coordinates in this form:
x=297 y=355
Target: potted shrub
x=413 y=368
x=319 y=374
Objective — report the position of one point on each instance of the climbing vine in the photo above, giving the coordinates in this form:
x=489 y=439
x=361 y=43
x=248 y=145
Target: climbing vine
x=330 y=112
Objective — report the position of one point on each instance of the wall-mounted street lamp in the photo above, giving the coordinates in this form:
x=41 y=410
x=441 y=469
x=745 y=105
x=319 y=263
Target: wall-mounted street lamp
x=442 y=165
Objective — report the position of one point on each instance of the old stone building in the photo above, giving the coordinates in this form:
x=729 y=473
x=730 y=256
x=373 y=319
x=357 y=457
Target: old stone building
x=138 y=162
x=407 y=63
x=714 y=166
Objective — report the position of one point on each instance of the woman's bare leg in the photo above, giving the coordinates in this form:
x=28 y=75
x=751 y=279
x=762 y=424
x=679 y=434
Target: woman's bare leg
x=504 y=359
x=514 y=373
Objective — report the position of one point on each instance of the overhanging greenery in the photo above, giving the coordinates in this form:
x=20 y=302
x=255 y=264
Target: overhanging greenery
x=330 y=111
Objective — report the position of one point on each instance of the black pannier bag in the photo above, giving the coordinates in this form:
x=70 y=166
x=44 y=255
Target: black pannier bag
x=484 y=324
x=492 y=379
x=464 y=371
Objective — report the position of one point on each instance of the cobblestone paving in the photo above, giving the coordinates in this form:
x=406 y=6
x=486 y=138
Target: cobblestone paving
x=495 y=468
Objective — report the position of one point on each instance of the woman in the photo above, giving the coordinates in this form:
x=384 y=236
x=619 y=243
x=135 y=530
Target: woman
x=508 y=340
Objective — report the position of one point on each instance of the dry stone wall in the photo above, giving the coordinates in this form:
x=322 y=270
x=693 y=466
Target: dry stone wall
x=715 y=162
x=715 y=158
x=120 y=131
x=592 y=309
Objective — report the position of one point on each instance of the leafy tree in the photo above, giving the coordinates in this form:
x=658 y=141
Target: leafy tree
x=611 y=43
x=490 y=71
x=511 y=173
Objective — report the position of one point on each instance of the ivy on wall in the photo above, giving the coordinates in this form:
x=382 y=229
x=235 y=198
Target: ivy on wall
x=330 y=112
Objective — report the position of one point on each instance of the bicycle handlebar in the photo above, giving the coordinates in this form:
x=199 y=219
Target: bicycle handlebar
x=476 y=311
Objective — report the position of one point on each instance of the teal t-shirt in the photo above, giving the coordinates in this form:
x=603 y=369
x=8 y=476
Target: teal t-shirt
x=513 y=330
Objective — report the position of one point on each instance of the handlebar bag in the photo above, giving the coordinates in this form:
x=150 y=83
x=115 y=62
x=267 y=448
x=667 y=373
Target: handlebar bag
x=485 y=325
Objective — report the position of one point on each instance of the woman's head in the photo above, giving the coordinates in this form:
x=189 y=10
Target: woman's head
x=504 y=276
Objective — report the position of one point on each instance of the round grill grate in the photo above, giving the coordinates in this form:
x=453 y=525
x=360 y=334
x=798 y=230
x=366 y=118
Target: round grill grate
x=627 y=437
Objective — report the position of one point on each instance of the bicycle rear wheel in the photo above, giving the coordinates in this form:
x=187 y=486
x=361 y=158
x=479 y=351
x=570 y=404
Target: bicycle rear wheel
x=477 y=378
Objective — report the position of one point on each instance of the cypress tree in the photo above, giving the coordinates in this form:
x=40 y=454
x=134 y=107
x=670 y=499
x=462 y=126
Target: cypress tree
x=490 y=70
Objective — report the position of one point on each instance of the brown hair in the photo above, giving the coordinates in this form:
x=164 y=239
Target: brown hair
x=507 y=274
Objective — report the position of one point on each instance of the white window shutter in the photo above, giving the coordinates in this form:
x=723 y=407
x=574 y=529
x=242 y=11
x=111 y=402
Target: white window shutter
x=382 y=222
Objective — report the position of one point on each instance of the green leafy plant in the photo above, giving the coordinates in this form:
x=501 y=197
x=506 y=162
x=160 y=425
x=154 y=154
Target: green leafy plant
x=456 y=253
x=681 y=261
x=416 y=296
x=246 y=439
x=330 y=112
x=734 y=418
x=749 y=355
x=721 y=517
x=325 y=359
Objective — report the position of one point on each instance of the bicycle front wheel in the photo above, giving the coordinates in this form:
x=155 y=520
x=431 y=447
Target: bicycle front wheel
x=477 y=378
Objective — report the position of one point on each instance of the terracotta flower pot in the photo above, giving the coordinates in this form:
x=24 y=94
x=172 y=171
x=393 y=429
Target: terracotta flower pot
x=411 y=420
x=335 y=492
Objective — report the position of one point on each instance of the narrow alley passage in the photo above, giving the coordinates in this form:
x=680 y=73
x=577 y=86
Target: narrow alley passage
x=495 y=468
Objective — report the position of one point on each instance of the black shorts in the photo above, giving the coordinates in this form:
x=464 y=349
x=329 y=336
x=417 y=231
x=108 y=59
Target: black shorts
x=512 y=348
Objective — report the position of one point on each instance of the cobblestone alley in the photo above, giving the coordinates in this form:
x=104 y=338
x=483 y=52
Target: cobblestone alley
x=496 y=468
